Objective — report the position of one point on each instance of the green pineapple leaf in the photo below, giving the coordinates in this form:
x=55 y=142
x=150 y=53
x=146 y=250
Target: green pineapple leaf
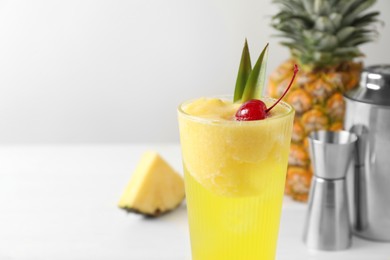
x=243 y=73
x=314 y=30
x=255 y=83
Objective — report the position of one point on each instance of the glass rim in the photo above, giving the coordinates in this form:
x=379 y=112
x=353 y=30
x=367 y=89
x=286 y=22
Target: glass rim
x=219 y=121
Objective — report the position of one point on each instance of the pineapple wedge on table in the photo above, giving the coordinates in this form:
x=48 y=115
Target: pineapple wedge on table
x=323 y=37
x=154 y=188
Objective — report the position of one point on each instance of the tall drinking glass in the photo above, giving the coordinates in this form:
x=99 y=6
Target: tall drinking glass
x=234 y=178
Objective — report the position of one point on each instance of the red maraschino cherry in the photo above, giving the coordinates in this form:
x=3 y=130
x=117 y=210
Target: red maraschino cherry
x=255 y=109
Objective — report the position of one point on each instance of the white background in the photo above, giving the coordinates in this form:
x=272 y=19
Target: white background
x=58 y=202
x=114 y=71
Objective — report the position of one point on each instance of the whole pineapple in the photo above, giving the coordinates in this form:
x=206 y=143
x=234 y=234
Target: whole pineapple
x=323 y=37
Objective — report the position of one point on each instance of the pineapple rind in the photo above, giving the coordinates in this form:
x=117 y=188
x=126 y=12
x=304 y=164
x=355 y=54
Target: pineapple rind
x=317 y=97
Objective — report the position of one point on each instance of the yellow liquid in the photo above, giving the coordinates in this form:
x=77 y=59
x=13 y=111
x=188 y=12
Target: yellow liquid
x=233 y=228
x=234 y=180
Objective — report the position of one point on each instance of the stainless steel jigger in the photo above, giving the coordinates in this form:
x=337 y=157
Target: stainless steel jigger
x=327 y=221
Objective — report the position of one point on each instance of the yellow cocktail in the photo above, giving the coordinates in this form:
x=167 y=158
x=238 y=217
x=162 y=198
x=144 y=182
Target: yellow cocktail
x=234 y=178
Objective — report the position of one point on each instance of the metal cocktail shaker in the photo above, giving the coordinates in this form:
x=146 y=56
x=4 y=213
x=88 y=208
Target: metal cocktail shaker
x=368 y=116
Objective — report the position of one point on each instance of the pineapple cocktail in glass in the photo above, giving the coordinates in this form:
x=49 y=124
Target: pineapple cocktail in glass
x=234 y=178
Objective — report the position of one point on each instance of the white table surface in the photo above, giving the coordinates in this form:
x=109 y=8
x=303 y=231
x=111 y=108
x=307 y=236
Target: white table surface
x=59 y=202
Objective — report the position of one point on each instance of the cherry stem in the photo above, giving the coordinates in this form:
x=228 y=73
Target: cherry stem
x=285 y=92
